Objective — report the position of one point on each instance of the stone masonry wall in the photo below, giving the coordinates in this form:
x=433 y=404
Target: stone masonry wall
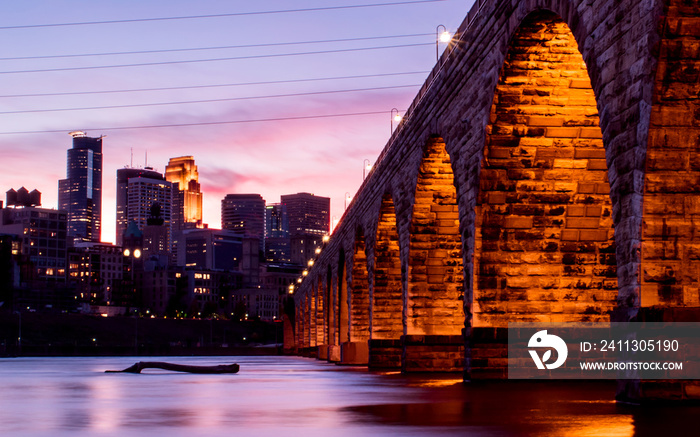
x=671 y=237
x=387 y=303
x=544 y=248
x=435 y=281
x=359 y=296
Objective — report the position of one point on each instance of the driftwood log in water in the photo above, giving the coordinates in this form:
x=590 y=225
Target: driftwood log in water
x=138 y=367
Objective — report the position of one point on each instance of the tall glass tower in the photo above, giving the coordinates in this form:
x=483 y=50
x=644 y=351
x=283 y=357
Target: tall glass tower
x=80 y=194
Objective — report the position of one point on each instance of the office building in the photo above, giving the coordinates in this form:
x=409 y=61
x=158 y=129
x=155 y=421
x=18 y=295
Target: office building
x=80 y=194
x=277 y=244
x=123 y=176
x=307 y=213
x=95 y=268
x=188 y=204
x=149 y=202
x=42 y=241
x=210 y=249
x=245 y=215
x=309 y=221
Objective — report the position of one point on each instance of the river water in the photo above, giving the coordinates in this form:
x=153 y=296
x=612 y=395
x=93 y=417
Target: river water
x=291 y=396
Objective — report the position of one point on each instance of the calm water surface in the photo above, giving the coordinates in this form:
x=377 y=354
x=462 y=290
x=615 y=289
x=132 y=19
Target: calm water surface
x=298 y=396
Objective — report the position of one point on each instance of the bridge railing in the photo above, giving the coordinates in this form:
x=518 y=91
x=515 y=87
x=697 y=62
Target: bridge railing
x=457 y=40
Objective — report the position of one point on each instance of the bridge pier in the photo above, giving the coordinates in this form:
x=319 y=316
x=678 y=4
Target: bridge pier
x=486 y=353
x=334 y=353
x=433 y=353
x=354 y=353
x=385 y=354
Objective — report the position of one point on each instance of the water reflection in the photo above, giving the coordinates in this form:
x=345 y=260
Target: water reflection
x=295 y=396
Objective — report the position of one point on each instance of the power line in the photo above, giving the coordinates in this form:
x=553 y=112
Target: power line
x=140 y=105
x=193 y=49
x=234 y=14
x=210 y=123
x=191 y=61
x=270 y=82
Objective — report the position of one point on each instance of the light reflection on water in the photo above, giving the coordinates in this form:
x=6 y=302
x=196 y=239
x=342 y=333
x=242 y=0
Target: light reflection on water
x=297 y=396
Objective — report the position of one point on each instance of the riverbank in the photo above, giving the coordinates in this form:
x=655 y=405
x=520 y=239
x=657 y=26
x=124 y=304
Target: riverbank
x=38 y=334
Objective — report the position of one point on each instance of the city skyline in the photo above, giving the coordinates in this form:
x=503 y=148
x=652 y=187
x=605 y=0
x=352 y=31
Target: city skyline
x=304 y=146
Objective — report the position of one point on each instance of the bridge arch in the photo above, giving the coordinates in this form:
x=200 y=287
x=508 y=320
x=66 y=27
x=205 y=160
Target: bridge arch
x=343 y=304
x=435 y=282
x=544 y=248
x=387 y=296
x=359 y=290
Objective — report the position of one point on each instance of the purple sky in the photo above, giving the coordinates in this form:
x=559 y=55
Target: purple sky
x=319 y=155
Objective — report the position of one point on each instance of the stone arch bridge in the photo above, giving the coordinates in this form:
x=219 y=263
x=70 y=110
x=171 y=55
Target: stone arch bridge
x=548 y=170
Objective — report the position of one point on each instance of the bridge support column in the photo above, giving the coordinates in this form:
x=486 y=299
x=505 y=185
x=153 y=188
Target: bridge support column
x=663 y=390
x=385 y=354
x=354 y=353
x=334 y=353
x=486 y=353
x=322 y=352
x=433 y=353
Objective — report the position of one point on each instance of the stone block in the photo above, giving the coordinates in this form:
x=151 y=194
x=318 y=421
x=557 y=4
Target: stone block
x=518 y=222
x=563 y=132
x=354 y=353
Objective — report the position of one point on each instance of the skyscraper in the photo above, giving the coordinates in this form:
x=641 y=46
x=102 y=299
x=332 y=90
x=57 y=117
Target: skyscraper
x=183 y=171
x=309 y=221
x=244 y=214
x=276 y=233
x=123 y=176
x=307 y=213
x=80 y=194
x=143 y=196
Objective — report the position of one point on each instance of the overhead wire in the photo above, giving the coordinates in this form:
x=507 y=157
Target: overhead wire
x=220 y=15
x=228 y=99
x=193 y=49
x=187 y=87
x=232 y=58
x=208 y=123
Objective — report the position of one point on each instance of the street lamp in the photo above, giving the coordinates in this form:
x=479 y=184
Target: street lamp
x=441 y=37
x=348 y=199
x=367 y=166
x=395 y=117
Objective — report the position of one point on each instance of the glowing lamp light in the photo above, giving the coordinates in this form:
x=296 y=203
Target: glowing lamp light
x=318 y=250
x=127 y=252
x=395 y=117
x=311 y=263
x=305 y=272
x=137 y=253
x=326 y=238
x=299 y=280
x=445 y=37
x=441 y=37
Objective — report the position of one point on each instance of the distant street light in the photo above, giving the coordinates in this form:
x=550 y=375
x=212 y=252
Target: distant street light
x=395 y=117
x=366 y=167
x=441 y=37
x=348 y=199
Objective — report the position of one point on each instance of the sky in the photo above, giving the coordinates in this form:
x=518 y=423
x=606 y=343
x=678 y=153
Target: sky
x=270 y=97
